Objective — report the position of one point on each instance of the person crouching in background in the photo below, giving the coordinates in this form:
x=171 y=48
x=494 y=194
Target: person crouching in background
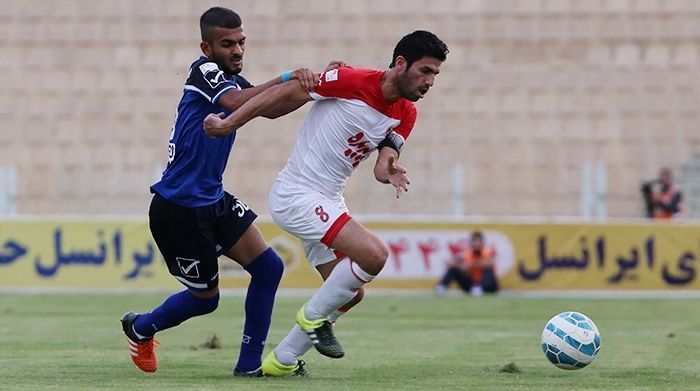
x=473 y=269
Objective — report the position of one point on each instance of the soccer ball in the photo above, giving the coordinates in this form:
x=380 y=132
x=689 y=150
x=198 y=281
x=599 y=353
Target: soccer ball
x=570 y=340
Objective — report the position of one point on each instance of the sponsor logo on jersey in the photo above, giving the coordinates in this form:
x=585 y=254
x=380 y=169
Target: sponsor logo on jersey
x=359 y=148
x=208 y=67
x=332 y=75
x=212 y=74
x=215 y=78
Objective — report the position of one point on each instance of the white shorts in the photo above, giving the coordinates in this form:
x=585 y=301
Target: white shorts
x=310 y=216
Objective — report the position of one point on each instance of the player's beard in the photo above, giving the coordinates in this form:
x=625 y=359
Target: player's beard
x=224 y=63
x=237 y=68
x=404 y=85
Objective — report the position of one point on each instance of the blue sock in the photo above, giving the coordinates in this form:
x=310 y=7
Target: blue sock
x=266 y=272
x=175 y=309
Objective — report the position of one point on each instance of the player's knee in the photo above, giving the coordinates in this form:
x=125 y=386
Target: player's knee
x=380 y=253
x=267 y=268
x=211 y=304
x=207 y=305
x=276 y=266
x=374 y=260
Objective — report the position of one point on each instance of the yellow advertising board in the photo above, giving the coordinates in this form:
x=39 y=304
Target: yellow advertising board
x=629 y=256
x=114 y=254
x=121 y=254
x=80 y=254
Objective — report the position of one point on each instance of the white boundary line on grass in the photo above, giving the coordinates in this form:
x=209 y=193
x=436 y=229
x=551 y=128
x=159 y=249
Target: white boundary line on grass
x=288 y=292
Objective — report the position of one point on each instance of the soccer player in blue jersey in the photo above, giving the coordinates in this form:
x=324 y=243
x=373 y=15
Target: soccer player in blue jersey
x=193 y=220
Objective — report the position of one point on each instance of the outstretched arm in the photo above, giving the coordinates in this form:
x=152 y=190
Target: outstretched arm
x=291 y=93
x=308 y=80
x=387 y=170
x=233 y=99
x=282 y=109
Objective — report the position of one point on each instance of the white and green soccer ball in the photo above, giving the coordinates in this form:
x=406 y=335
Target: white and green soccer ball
x=570 y=340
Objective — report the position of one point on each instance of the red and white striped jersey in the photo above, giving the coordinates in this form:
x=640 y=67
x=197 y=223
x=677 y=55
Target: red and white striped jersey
x=347 y=121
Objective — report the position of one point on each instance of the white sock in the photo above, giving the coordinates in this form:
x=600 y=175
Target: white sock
x=340 y=287
x=333 y=317
x=293 y=346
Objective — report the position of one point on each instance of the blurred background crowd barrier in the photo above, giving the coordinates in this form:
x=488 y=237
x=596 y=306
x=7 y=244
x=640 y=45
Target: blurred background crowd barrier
x=545 y=111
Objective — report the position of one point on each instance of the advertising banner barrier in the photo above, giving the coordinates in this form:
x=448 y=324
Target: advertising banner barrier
x=121 y=254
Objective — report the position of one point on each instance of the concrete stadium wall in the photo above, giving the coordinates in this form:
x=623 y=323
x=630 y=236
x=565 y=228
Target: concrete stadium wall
x=531 y=90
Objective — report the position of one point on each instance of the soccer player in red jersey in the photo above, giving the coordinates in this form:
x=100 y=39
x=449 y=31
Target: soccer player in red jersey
x=356 y=112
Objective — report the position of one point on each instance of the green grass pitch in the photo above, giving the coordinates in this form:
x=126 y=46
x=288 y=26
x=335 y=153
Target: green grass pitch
x=392 y=342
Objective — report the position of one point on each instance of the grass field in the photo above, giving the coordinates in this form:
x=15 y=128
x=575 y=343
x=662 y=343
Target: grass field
x=74 y=342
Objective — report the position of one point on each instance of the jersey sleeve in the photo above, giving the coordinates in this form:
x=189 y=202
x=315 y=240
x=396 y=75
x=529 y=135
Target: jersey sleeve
x=336 y=83
x=395 y=139
x=243 y=83
x=208 y=80
x=408 y=117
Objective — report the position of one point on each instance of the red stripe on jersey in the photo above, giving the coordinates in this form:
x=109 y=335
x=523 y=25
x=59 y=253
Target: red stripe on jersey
x=407 y=118
x=365 y=85
x=335 y=228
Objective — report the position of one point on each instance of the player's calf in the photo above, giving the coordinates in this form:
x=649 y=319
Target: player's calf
x=345 y=308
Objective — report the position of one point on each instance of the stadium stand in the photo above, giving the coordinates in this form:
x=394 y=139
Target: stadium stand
x=530 y=91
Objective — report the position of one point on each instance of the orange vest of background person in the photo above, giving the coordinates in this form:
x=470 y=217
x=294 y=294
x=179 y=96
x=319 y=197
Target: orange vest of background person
x=665 y=197
x=476 y=271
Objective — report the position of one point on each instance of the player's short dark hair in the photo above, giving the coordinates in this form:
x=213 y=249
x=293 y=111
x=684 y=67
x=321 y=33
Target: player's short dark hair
x=217 y=17
x=417 y=45
x=477 y=235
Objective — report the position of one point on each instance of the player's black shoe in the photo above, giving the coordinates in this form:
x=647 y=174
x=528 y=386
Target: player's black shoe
x=321 y=333
x=127 y=321
x=301 y=370
x=239 y=373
